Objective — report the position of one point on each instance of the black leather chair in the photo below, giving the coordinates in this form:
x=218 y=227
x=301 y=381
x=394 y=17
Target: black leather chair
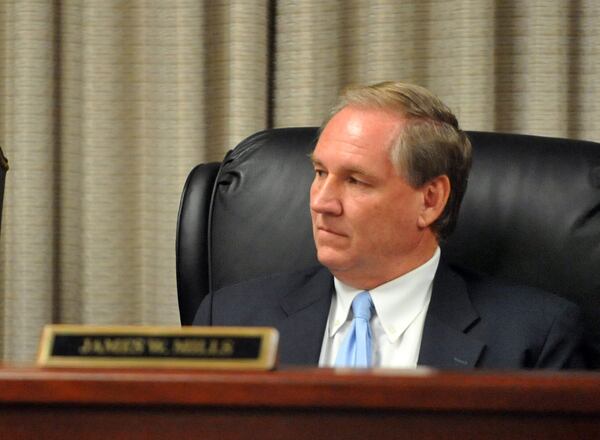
x=3 y=170
x=531 y=214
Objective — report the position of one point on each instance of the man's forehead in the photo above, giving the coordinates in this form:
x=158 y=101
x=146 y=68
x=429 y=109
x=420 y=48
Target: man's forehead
x=355 y=126
x=369 y=126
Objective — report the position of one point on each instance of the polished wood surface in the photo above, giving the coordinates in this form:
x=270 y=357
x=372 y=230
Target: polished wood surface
x=303 y=404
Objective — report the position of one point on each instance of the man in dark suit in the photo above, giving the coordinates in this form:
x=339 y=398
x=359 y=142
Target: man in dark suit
x=391 y=168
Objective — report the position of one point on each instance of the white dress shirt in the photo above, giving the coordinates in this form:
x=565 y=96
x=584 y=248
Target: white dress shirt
x=397 y=324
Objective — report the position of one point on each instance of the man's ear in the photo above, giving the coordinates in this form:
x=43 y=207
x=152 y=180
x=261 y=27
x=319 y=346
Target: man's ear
x=435 y=196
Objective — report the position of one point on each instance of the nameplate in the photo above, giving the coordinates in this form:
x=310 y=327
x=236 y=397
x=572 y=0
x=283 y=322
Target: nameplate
x=65 y=345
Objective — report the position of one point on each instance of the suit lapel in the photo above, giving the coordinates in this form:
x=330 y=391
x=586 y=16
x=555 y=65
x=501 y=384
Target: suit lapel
x=445 y=343
x=306 y=310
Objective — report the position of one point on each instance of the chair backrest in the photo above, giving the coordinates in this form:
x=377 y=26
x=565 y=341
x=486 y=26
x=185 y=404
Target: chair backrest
x=531 y=214
x=3 y=170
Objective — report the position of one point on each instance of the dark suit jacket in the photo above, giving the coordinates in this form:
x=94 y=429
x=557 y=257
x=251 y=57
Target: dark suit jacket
x=472 y=321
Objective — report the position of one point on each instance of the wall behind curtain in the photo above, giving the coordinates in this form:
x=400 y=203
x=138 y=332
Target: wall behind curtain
x=106 y=105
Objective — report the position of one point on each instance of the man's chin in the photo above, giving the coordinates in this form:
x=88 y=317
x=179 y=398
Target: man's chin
x=333 y=260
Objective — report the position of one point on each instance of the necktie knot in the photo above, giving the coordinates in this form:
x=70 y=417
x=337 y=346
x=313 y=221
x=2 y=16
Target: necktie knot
x=362 y=306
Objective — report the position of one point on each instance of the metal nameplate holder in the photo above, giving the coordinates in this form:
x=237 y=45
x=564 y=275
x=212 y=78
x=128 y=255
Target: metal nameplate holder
x=64 y=345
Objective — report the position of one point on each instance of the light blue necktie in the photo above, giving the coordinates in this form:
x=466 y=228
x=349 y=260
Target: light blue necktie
x=356 y=348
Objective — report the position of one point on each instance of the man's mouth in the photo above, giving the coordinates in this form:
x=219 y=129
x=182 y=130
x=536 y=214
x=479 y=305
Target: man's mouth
x=330 y=231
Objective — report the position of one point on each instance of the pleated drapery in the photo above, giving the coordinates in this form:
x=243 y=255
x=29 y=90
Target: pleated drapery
x=106 y=105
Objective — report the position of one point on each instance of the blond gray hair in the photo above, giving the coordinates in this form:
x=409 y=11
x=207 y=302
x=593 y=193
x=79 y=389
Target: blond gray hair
x=431 y=143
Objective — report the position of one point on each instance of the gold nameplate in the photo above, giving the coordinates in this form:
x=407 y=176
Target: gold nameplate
x=65 y=345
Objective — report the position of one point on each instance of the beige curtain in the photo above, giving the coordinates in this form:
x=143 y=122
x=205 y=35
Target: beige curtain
x=105 y=105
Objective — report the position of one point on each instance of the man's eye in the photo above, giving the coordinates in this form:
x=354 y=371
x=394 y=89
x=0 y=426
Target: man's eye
x=319 y=173
x=354 y=181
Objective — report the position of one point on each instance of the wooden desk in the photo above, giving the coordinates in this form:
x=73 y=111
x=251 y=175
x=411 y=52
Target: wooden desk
x=295 y=404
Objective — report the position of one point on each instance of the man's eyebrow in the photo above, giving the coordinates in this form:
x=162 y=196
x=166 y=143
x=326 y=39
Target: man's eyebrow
x=358 y=170
x=349 y=170
x=314 y=160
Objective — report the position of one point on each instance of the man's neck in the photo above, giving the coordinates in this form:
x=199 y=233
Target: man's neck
x=370 y=279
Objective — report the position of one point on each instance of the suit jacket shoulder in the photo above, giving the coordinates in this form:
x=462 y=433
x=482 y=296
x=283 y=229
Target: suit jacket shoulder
x=503 y=325
x=296 y=304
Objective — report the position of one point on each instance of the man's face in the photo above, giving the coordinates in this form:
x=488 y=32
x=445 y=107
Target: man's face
x=364 y=214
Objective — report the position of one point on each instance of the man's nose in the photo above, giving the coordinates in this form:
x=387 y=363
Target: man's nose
x=325 y=198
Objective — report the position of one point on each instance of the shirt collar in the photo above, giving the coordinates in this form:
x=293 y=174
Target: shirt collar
x=397 y=302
